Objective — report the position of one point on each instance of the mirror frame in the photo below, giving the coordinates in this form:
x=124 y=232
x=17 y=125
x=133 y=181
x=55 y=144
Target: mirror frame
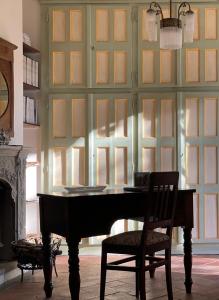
x=6 y=68
x=2 y=114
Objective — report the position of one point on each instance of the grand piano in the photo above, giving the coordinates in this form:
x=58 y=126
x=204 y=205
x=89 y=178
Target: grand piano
x=77 y=216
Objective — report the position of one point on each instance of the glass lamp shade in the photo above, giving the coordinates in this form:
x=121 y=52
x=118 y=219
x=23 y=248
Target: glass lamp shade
x=188 y=36
x=171 y=37
x=151 y=23
x=189 y=26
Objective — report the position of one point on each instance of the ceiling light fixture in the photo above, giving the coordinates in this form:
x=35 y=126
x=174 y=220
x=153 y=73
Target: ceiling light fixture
x=171 y=28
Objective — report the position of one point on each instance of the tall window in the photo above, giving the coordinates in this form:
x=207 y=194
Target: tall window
x=118 y=103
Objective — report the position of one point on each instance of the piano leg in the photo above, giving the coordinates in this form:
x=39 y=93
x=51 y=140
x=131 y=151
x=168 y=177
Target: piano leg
x=47 y=265
x=188 y=259
x=74 y=269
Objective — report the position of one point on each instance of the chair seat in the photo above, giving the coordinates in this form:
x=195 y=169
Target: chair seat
x=133 y=239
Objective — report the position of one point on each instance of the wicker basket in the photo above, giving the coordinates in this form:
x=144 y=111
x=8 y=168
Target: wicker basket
x=29 y=253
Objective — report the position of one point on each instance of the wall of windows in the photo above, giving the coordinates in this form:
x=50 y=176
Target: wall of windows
x=115 y=103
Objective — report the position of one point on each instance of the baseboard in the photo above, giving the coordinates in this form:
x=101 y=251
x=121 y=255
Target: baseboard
x=8 y=272
x=197 y=249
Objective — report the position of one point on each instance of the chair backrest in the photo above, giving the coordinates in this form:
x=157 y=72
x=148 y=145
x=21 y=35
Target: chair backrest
x=141 y=179
x=161 y=203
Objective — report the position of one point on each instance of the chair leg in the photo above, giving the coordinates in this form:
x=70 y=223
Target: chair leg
x=103 y=274
x=22 y=275
x=54 y=265
x=137 y=278
x=152 y=271
x=168 y=274
x=142 y=280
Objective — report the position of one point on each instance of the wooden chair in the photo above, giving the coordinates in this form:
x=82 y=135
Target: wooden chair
x=139 y=245
x=141 y=178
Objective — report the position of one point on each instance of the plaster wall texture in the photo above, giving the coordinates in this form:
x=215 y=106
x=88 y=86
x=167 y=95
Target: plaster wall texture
x=31 y=21
x=12 y=31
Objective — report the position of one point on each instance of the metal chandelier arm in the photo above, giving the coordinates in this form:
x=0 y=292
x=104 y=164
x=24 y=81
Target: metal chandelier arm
x=182 y=12
x=172 y=33
x=156 y=6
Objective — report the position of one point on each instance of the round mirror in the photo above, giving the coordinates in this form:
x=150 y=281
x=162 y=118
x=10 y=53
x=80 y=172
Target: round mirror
x=3 y=95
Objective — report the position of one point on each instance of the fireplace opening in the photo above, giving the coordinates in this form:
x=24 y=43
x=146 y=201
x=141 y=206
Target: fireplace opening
x=7 y=221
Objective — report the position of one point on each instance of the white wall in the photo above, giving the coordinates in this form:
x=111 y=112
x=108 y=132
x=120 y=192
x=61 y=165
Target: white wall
x=12 y=31
x=31 y=26
x=31 y=21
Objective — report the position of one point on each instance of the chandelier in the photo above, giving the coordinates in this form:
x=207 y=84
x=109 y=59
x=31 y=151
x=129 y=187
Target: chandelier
x=171 y=33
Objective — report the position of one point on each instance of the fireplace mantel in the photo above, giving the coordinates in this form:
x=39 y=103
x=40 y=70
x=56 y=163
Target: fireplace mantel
x=12 y=174
x=12 y=165
x=8 y=150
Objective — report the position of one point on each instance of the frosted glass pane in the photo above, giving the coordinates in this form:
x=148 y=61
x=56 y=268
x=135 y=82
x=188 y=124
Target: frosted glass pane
x=76 y=25
x=59 y=166
x=148 y=66
x=210 y=164
x=102 y=166
x=192 y=165
x=192 y=65
x=102 y=25
x=102 y=115
x=121 y=166
x=76 y=67
x=120 y=66
x=196 y=32
x=165 y=66
x=192 y=117
x=58 y=68
x=149 y=117
x=59 y=113
x=144 y=25
x=211 y=23
x=210 y=65
x=31 y=182
x=210 y=116
x=167 y=159
x=78 y=168
x=102 y=67
x=121 y=117
x=148 y=159
x=120 y=25
x=167 y=118
x=79 y=117
x=211 y=216
x=59 y=26
x=32 y=218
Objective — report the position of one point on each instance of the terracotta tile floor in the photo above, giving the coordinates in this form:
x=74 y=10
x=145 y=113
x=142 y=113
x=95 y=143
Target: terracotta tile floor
x=120 y=285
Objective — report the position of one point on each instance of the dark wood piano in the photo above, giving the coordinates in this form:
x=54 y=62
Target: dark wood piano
x=76 y=216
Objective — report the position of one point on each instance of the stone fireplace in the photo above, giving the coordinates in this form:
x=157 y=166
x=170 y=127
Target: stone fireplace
x=12 y=198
